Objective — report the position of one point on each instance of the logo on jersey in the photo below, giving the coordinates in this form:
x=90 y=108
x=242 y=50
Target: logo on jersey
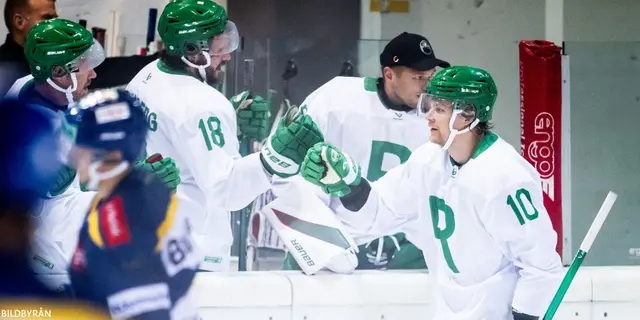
x=425 y=47
x=114 y=223
x=43 y=261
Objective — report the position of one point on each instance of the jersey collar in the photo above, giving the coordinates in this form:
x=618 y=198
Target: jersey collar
x=487 y=141
x=377 y=85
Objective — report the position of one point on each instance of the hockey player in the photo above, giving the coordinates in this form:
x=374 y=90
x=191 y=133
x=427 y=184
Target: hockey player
x=62 y=55
x=135 y=254
x=197 y=126
x=374 y=121
x=486 y=235
x=27 y=166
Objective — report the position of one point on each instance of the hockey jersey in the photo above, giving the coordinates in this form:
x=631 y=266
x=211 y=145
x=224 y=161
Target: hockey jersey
x=135 y=253
x=196 y=125
x=483 y=228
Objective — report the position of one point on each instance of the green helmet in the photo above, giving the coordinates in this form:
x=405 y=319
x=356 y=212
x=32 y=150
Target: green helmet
x=63 y=43
x=187 y=26
x=465 y=86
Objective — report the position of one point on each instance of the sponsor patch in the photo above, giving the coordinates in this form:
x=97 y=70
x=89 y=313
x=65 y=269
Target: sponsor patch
x=112 y=113
x=114 y=223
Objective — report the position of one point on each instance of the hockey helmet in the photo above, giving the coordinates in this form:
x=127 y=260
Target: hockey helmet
x=193 y=26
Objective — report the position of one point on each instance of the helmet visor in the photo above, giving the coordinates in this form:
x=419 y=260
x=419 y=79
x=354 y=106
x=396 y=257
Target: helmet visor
x=226 y=42
x=427 y=102
x=439 y=105
x=87 y=61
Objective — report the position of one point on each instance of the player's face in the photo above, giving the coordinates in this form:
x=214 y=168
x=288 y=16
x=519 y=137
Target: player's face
x=36 y=11
x=439 y=113
x=83 y=80
x=220 y=49
x=409 y=84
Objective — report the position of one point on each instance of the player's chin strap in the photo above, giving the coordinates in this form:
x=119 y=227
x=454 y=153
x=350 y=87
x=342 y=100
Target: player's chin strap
x=453 y=132
x=68 y=92
x=95 y=176
x=201 y=68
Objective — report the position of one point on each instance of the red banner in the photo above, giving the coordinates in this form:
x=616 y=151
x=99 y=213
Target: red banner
x=541 y=119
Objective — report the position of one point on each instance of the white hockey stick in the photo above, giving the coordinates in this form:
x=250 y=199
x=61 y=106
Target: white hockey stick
x=581 y=255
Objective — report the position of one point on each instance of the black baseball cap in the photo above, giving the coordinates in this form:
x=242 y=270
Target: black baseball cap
x=412 y=51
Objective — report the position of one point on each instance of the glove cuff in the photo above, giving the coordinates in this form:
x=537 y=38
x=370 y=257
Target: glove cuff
x=276 y=163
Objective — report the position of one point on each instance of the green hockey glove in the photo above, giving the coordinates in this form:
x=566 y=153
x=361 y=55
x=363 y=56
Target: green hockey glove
x=164 y=168
x=253 y=115
x=64 y=178
x=285 y=149
x=331 y=169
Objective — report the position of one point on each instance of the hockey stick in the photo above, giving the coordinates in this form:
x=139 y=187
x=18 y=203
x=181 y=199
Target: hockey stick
x=581 y=254
x=252 y=245
x=248 y=147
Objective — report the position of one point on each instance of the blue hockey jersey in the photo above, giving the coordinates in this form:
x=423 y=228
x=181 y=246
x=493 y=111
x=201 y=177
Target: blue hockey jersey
x=135 y=253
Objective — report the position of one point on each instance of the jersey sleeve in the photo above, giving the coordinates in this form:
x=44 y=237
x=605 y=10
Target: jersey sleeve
x=208 y=143
x=392 y=201
x=516 y=218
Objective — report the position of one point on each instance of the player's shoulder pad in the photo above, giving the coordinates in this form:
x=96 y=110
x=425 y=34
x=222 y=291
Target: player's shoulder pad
x=135 y=212
x=336 y=89
x=501 y=166
x=424 y=153
x=204 y=97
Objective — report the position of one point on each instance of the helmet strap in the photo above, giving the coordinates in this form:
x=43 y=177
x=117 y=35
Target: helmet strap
x=68 y=92
x=453 y=132
x=201 y=68
x=95 y=176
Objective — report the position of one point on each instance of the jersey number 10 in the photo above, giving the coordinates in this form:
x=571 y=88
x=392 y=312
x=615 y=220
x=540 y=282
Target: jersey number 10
x=523 y=207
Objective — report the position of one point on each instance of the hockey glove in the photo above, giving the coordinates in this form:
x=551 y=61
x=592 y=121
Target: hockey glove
x=164 y=168
x=253 y=115
x=285 y=149
x=334 y=171
x=64 y=178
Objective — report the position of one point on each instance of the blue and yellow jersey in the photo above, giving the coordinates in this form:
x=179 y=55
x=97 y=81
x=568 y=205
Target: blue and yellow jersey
x=135 y=253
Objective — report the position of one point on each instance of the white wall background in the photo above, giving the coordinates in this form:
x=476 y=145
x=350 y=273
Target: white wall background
x=485 y=33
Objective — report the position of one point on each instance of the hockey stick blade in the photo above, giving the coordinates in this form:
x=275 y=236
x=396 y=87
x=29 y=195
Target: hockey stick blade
x=581 y=254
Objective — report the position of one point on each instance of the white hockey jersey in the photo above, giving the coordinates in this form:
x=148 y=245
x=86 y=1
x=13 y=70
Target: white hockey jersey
x=352 y=116
x=195 y=125
x=486 y=236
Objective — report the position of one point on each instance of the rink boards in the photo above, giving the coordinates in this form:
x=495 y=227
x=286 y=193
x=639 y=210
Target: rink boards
x=602 y=293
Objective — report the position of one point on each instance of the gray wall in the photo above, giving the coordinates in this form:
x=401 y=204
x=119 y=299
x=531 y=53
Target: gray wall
x=605 y=146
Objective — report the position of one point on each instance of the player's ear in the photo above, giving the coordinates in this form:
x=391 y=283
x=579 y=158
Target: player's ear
x=19 y=21
x=387 y=73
